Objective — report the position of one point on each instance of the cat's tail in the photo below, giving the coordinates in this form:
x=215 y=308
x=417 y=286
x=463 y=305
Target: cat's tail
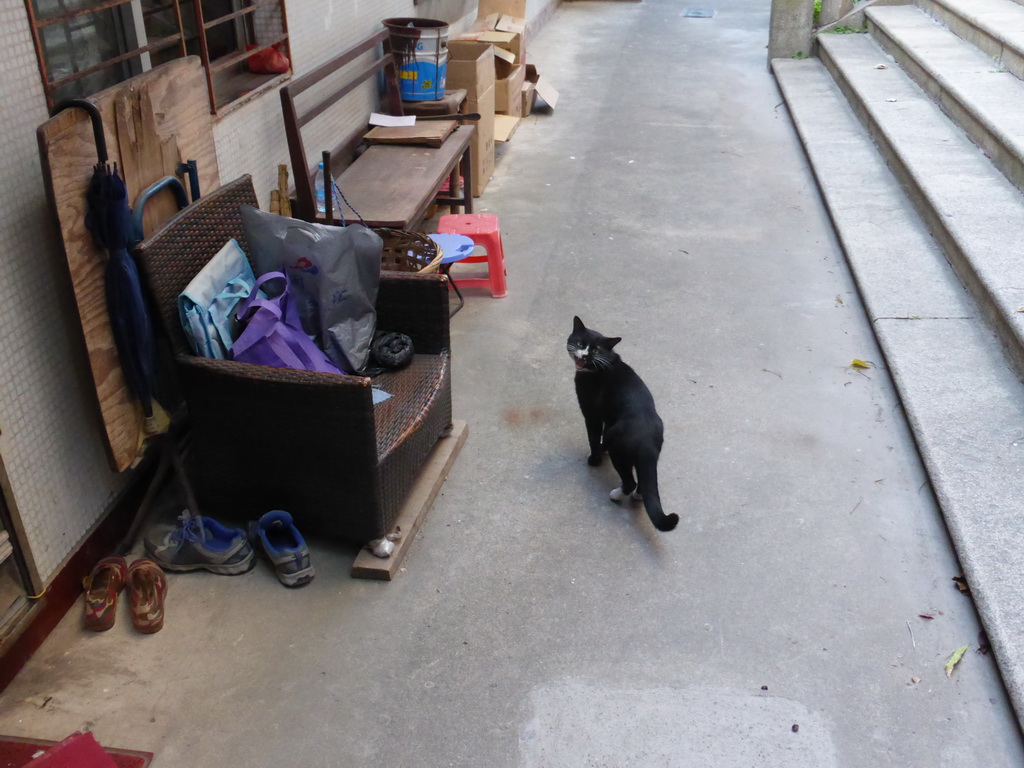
x=647 y=474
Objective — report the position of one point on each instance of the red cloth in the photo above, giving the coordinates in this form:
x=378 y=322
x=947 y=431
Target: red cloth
x=80 y=750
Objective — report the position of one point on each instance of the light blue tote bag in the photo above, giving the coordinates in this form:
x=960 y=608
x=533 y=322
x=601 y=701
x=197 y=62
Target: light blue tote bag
x=207 y=305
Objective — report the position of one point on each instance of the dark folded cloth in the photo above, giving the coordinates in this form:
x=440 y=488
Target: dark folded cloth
x=391 y=350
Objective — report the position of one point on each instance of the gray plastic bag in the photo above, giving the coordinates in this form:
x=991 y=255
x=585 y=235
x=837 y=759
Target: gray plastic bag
x=334 y=274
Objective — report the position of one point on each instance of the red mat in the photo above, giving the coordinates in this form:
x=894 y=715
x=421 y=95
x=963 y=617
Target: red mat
x=77 y=751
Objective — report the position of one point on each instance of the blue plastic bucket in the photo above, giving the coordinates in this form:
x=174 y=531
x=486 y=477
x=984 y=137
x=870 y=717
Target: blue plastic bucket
x=420 y=48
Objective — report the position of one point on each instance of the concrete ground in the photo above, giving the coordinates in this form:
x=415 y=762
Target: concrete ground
x=536 y=623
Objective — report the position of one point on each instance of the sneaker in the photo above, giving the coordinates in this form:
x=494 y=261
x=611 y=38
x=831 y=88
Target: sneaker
x=276 y=536
x=200 y=543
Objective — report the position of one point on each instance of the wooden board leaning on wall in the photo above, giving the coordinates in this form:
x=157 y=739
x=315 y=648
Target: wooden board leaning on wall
x=152 y=122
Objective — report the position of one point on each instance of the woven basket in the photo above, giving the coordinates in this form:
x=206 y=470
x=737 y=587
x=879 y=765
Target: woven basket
x=406 y=251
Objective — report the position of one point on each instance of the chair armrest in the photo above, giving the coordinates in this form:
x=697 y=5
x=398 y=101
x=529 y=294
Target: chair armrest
x=233 y=385
x=249 y=374
x=416 y=305
x=242 y=405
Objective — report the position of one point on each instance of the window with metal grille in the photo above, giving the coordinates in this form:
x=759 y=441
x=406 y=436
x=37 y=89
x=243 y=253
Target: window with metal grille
x=85 y=46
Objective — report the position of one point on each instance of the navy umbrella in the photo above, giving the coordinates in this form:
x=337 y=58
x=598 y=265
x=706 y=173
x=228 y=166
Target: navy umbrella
x=110 y=220
x=108 y=217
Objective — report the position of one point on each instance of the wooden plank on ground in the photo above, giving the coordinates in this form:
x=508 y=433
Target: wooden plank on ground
x=417 y=504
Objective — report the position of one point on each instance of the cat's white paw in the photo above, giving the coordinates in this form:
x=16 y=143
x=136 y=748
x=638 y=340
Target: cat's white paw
x=636 y=495
x=616 y=494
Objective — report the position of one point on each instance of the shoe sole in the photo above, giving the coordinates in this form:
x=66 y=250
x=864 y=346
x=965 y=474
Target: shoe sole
x=234 y=569
x=290 y=580
x=148 y=629
x=99 y=626
x=293 y=581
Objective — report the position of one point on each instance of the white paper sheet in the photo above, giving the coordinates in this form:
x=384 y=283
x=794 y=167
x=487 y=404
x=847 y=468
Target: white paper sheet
x=391 y=121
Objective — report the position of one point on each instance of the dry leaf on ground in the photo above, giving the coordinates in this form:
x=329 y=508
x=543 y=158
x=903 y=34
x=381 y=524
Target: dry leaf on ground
x=983 y=645
x=954 y=659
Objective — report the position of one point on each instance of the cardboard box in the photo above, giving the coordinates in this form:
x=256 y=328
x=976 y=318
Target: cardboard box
x=529 y=92
x=509 y=42
x=483 y=139
x=542 y=89
x=508 y=87
x=470 y=66
x=514 y=24
x=507 y=33
x=510 y=7
x=505 y=126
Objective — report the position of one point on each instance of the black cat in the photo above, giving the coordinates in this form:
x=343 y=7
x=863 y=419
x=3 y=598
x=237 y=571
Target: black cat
x=621 y=418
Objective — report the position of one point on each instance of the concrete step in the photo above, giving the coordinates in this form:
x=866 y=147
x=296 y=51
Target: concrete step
x=975 y=213
x=984 y=99
x=994 y=26
x=872 y=215
x=963 y=401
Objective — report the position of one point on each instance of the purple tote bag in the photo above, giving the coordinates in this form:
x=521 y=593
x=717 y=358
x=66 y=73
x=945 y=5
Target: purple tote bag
x=273 y=333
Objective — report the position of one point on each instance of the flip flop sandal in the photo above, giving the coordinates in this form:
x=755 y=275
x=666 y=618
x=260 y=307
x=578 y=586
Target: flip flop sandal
x=102 y=586
x=146 y=586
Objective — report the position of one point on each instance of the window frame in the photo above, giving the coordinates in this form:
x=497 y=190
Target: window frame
x=136 y=59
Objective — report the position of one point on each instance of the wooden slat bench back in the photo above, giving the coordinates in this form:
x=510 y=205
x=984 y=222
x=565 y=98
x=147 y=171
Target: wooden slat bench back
x=389 y=185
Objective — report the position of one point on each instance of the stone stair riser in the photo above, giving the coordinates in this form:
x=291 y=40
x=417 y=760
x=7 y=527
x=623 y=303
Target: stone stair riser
x=1004 y=156
x=982 y=292
x=987 y=40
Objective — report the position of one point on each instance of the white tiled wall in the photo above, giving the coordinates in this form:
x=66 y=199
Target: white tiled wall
x=251 y=139
x=51 y=439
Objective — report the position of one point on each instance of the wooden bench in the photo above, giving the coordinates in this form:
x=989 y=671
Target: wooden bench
x=389 y=185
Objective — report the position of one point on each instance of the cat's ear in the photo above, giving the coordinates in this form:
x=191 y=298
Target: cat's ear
x=611 y=342
x=577 y=325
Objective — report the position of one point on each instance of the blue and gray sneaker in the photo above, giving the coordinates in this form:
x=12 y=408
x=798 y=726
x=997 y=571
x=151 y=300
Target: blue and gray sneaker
x=200 y=543
x=276 y=536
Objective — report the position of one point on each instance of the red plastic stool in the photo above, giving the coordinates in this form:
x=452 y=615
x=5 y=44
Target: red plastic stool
x=482 y=229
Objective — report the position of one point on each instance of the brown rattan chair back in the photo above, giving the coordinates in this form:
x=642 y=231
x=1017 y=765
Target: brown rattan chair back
x=175 y=253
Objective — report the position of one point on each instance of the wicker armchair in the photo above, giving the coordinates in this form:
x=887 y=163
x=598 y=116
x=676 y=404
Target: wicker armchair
x=310 y=443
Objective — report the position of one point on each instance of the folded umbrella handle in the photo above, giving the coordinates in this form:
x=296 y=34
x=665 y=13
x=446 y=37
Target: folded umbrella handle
x=94 y=116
